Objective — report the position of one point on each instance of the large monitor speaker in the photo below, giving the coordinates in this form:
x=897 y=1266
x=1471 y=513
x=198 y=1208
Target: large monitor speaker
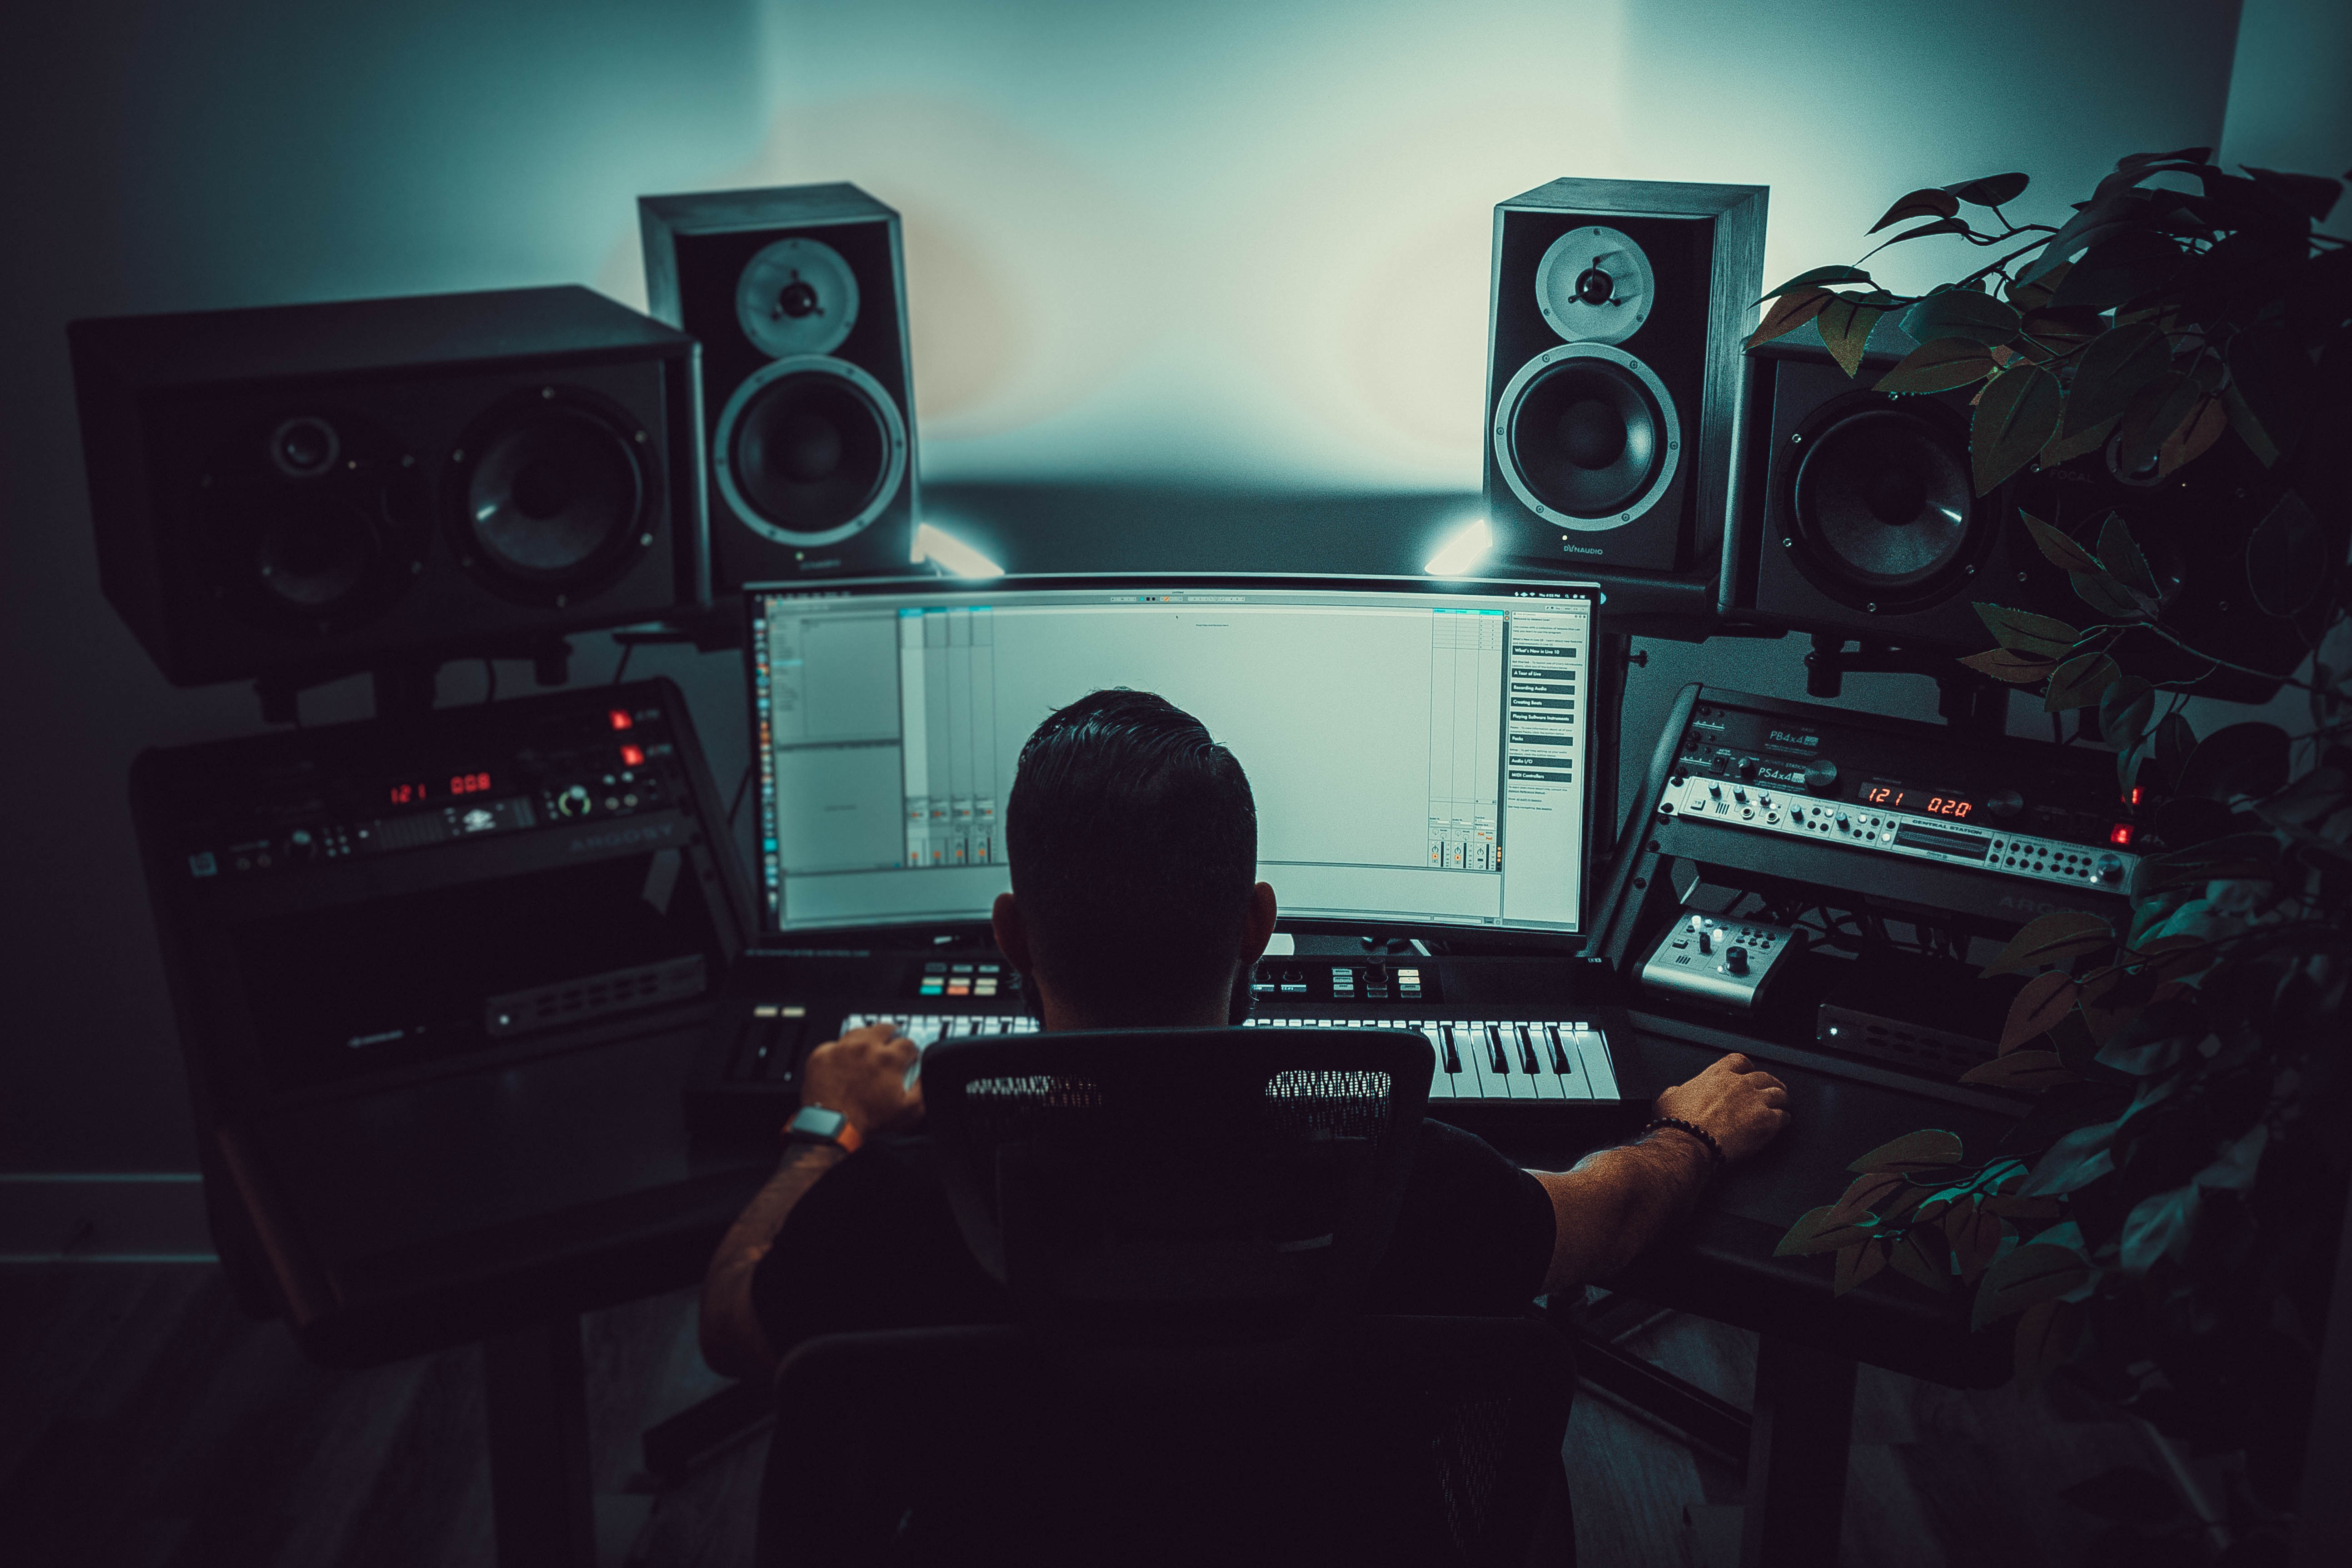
x=1857 y=516
x=798 y=297
x=1612 y=370
x=313 y=487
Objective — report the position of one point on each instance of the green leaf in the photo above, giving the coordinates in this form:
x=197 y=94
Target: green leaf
x=2159 y=1226
x=2033 y=1273
x=2249 y=426
x=1992 y=191
x=1846 y=328
x=2155 y=410
x=1922 y=1255
x=1857 y=1264
x=1973 y=1232
x=2015 y=418
x=2063 y=330
x=2119 y=553
x=2080 y=681
x=2047 y=1333
x=1818 y=277
x=2234 y=855
x=1922 y=1151
x=2313 y=196
x=2124 y=710
x=1794 y=312
x=1918 y=204
x=2036 y=1009
x=2247 y=759
x=2193 y=438
x=2070 y=444
x=2051 y=939
x=2010 y=665
x=1927 y=230
x=2033 y=1071
x=1963 y=313
x=1814 y=1232
x=2056 y=547
x=2123 y=265
x=2027 y=631
x=1939 y=366
x=2016 y=1205
x=2113 y=370
x=2286 y=559
x=2104 y=594
x=1864 y=1196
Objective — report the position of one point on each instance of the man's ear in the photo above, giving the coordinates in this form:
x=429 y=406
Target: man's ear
x=1257 y=924
x=1012 y=936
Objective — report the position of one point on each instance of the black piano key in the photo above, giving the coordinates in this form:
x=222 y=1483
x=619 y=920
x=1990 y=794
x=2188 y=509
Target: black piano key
x=1558 y=1051
x=1526 y=1049
x=1494 y=1049
x=1453 y=1058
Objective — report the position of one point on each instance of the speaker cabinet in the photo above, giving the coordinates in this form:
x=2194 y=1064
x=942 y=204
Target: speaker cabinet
x=313 y=487
x=798 y=297
x=1611 y=373
x=1857 y=516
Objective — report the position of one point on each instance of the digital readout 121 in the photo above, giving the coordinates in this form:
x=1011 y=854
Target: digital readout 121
x=1896 y=798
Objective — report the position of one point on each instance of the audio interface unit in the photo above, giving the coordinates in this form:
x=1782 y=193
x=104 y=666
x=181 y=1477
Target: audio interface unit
x=2020 y=810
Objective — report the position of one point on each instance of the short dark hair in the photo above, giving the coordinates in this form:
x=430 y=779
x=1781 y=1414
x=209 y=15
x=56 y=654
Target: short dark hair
x=1133 y=841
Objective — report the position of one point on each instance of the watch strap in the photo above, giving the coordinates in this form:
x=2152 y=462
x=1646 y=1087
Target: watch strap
x=819 y=1124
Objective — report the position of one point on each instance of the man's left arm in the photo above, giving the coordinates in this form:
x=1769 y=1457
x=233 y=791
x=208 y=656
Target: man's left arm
x=863 y=1075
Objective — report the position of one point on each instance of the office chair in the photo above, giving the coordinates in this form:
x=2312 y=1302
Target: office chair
x=1185 y=1222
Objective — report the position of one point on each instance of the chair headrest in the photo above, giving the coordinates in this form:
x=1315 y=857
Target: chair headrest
x=1249 y=1173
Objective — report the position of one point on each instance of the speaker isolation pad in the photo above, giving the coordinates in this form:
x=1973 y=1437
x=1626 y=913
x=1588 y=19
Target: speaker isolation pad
x=1587 y=436
x=796 y=297
x=1594 y=286
x=808 y=451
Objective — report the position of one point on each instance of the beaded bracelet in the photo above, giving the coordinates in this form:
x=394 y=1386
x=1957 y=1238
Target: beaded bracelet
x=1713 y=1149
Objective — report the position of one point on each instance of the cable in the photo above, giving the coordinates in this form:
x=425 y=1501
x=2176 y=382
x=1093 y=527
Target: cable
x=622 y=669
x=740 y=790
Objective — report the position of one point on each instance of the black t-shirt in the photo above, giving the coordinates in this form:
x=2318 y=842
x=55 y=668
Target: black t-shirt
x=874 y=1244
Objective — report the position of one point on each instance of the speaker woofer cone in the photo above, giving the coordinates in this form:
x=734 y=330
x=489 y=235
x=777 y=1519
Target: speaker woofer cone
x=809 y=450
x=1586 y=435
x=550 y=499
x=1883 y=508
x=308 y=527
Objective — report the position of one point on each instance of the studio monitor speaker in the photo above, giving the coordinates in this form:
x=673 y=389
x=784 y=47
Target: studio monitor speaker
x=798 y=297
x=1857 y=516
x=1612 y=366
x=316 y=487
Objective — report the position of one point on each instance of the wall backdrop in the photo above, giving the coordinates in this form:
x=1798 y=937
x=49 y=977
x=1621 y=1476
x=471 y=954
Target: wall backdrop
x=1212 y=242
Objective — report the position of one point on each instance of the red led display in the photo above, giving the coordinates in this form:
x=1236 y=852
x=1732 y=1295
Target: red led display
x=2121 y=833
x=408 y=793
x=632 y=756
x=468 y=784
x=1909 y=800
x=620 y=721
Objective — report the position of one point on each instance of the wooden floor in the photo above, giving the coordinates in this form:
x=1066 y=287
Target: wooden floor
x=145 y=1423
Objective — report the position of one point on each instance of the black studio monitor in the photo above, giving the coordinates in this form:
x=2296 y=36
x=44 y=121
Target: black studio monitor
x=1613 y=369
x=1857 y=516
x=798 y=297
x=335 y=485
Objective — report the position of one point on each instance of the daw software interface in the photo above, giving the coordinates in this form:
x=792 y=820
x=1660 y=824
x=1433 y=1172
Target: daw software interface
x=1415 y=756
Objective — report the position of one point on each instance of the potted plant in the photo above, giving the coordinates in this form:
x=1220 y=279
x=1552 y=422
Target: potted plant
x=2163 y=1223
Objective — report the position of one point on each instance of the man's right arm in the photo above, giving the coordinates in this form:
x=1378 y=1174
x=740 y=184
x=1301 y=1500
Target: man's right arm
x=1615 y=1202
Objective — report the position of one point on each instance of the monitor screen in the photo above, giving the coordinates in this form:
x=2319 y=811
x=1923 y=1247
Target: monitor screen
x=1418 y=755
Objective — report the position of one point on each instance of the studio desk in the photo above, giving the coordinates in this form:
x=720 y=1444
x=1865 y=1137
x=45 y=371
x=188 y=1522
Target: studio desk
x=498 y=1206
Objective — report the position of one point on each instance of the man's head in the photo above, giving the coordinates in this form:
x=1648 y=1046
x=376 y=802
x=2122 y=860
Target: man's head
x=1133 y=842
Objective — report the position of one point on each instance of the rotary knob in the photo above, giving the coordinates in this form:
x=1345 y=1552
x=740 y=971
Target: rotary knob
x=1734 y=959
x=2004 y=802
x=1821 y=776
x=2108 y=868
x=1747 y=768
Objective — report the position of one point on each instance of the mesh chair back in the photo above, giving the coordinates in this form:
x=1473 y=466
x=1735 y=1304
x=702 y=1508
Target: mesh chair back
x=1194 y=1173
x=1420 y=1441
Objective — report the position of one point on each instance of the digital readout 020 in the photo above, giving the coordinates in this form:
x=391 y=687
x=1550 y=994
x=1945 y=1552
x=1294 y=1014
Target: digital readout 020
x=1894 y=797
x=417 y=792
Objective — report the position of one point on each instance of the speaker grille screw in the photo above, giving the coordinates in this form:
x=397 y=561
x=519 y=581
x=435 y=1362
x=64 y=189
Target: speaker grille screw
x=547 y=391
x=1872 y=608
x=1796 y=438
x=644 y=539
x=1788 y=544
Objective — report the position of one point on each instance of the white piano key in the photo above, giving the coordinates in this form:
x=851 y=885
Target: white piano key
x=1600 y=1072
x=1546 y=1080
x=1441 y=1082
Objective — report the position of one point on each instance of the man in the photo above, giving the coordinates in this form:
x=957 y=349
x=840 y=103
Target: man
x=1133 y=843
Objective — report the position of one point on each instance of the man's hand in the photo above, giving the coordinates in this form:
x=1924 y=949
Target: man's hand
x=864 y=1075
x=1737 y=1101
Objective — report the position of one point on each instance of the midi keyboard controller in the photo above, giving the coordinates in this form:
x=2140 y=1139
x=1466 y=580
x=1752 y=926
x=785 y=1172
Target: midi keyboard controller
x=1497 y=1051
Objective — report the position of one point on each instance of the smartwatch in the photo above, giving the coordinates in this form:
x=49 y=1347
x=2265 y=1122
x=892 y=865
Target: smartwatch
x=815 y=1124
